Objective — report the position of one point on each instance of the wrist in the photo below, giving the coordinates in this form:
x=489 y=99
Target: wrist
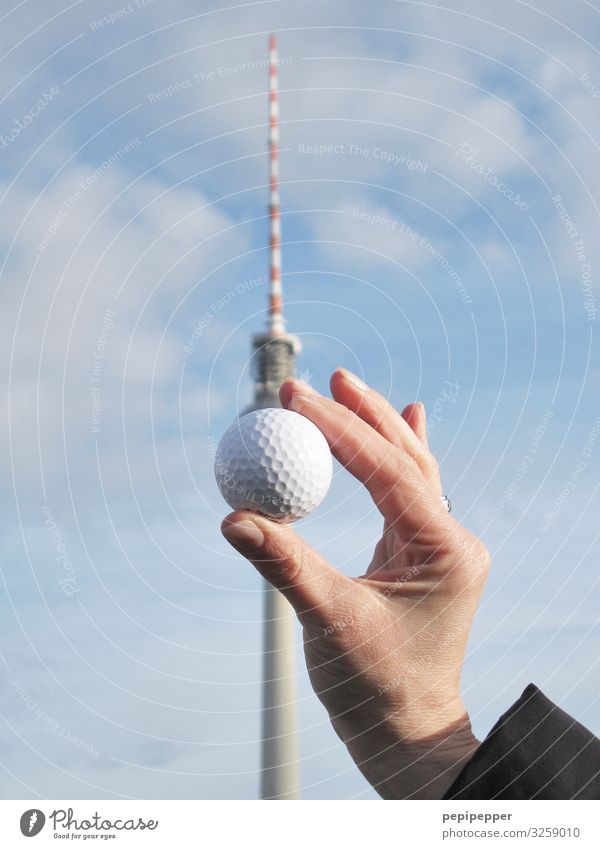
x=410 y=757
x=426 y=768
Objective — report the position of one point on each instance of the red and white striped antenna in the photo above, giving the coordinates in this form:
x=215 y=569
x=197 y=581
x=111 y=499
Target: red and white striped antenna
x=276 y=323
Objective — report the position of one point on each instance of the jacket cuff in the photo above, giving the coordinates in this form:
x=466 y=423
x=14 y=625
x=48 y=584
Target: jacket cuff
x=534 y=751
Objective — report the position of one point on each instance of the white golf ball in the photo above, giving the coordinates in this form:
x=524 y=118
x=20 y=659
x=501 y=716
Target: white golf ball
x=275 y=462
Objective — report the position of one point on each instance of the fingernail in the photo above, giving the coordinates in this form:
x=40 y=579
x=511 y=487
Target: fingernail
x=354 y=380
x=243 y=534
x=300 y=399
x=297 y=401
x=302 y=385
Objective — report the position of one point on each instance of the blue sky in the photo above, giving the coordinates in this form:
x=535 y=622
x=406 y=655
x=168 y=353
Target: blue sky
x=440 y=191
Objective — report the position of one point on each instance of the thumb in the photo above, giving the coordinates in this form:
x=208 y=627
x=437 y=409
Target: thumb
x=306 y=579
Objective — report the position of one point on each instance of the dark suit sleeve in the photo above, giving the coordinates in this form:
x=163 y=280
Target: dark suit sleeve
x=534 y=751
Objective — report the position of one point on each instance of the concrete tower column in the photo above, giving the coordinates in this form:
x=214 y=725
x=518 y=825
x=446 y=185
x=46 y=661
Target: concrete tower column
x=279 y=778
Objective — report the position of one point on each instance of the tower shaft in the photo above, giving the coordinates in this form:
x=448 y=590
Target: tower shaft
x=279 y=756
x=274 y=354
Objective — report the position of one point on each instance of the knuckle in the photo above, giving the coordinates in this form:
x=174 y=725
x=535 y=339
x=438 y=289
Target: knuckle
x=430 y=464
x=483 y=555
x=469 y=553
x=393 y=467
x=281 y=559
x=294 y=563
x=397 y=466
x=480 y=559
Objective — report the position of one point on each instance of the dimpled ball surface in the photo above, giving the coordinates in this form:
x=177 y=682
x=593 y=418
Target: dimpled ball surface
x=275 y=462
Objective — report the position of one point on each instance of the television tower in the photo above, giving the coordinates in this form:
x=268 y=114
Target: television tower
x=274 y=355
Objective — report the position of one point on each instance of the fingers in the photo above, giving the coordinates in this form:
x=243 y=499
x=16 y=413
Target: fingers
x=414 y=415
x=390 y=473
x=307 y=580
x=407 y=431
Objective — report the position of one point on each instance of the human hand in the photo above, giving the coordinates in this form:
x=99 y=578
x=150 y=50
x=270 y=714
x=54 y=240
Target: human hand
x=384 y=651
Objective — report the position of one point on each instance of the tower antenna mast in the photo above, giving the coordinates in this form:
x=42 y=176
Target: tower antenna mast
x=276 y=324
